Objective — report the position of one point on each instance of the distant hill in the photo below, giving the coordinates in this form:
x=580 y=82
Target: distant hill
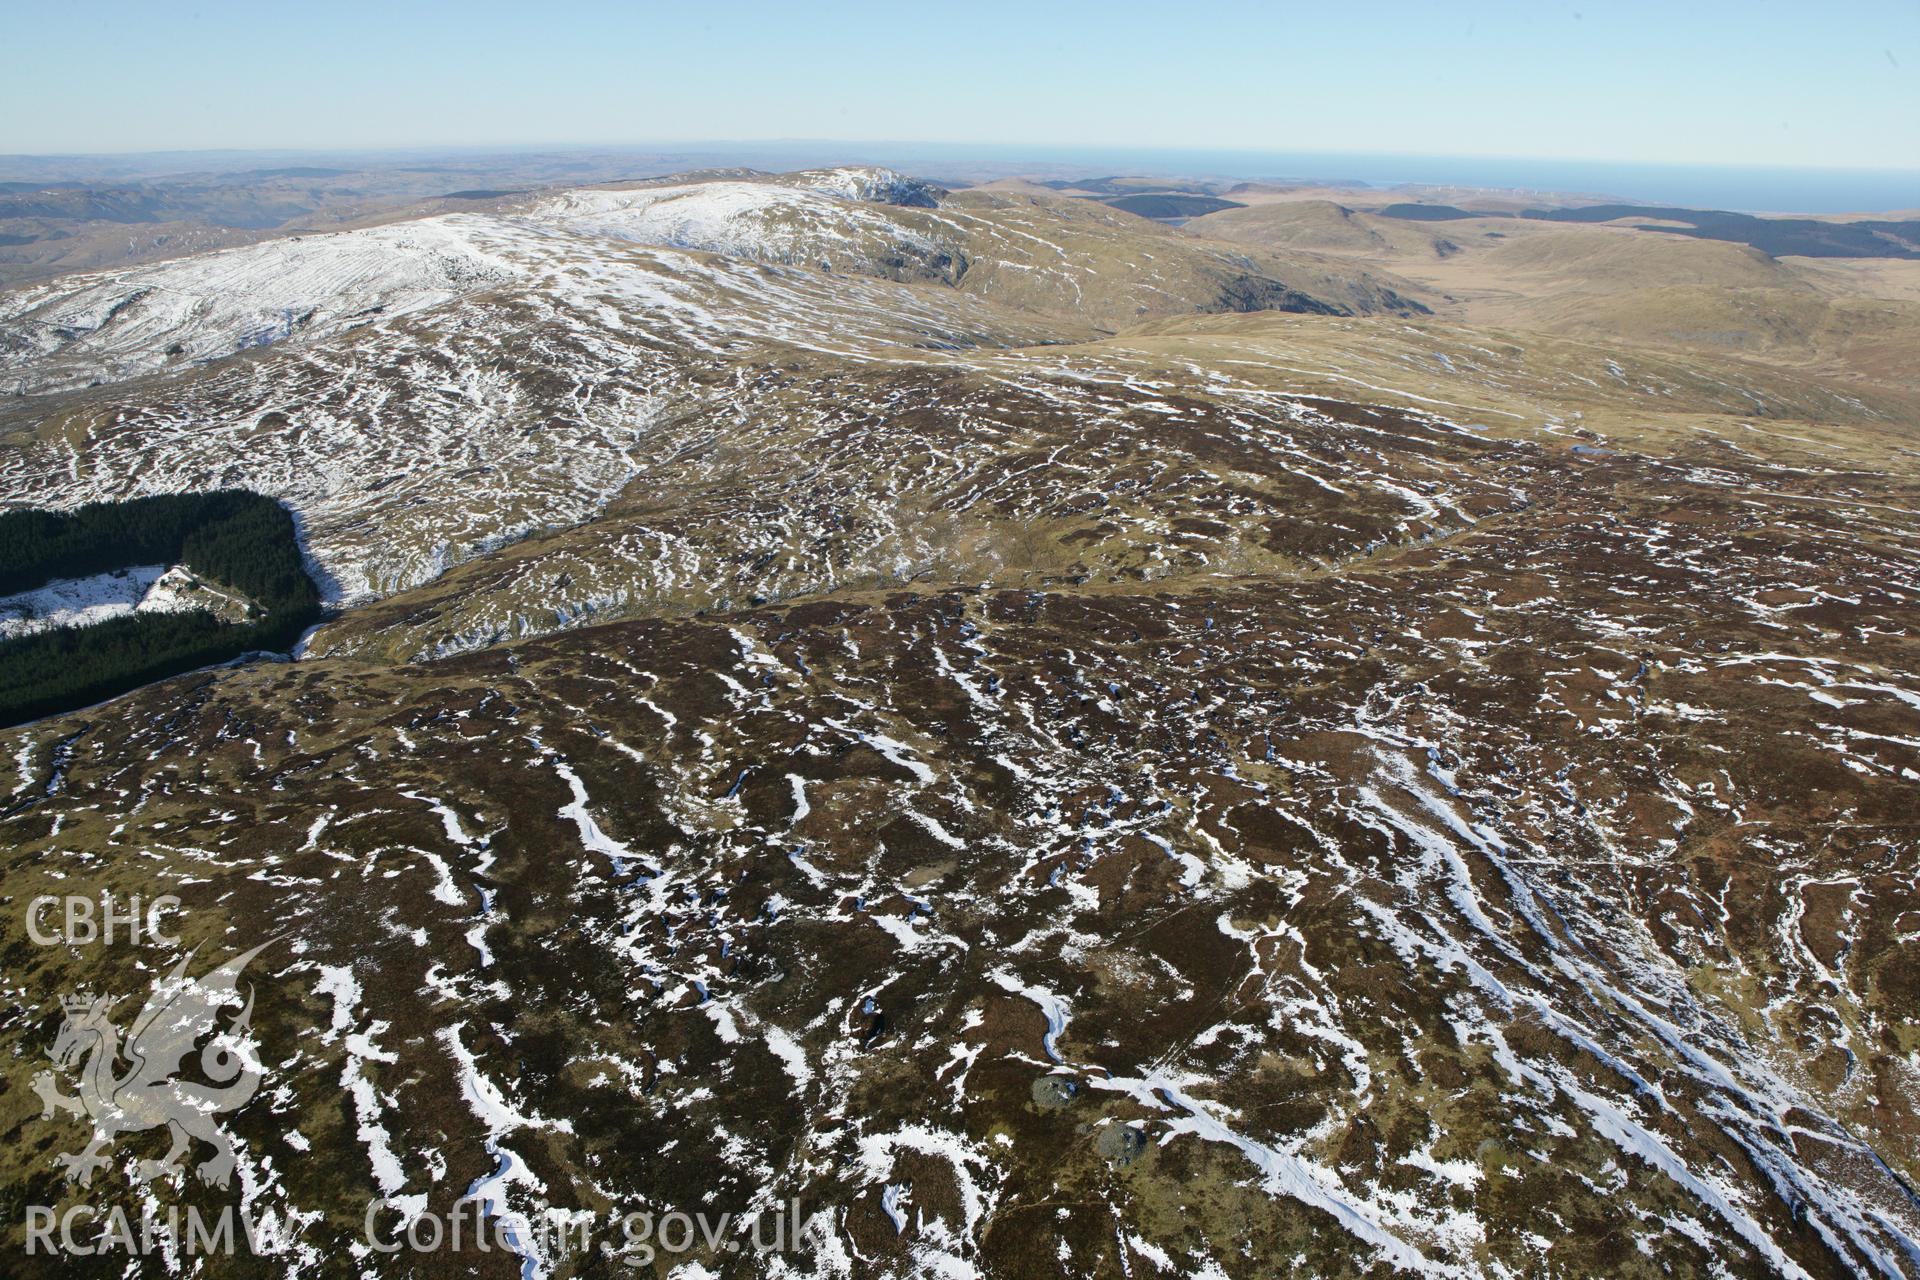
x=1432 y=213
x=1781 y=237
x=1170 y=205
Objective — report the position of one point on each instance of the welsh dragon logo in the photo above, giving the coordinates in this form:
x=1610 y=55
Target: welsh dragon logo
x=130 y=1087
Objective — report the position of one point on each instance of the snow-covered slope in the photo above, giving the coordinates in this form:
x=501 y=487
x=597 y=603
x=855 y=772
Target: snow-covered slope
x=828 y=224
x=870 y=183
x=459 y=381
x=1072 y=262
x=117 y=593
x=108 y=326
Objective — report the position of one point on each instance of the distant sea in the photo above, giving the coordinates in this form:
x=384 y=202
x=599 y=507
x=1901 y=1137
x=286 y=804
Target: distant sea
x=1740 y=188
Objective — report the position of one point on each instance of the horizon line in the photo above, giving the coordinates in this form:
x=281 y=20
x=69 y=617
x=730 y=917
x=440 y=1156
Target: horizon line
x=668 y=146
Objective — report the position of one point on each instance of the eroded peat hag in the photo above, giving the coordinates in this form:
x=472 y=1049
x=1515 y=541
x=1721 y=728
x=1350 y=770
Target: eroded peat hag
x=1557 y=867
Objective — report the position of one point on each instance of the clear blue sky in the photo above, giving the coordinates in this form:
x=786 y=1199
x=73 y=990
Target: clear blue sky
x=1760 y=82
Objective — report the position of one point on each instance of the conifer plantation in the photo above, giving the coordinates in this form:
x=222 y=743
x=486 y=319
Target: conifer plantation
x=238 y=539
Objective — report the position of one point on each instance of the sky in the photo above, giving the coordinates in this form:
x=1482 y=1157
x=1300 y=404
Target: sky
x=1755 y=83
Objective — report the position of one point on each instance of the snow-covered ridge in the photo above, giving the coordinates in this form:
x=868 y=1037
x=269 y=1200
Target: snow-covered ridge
x=107 y=326
x=112 y=325
x=407 y=443
x=841 y=219
x=874 y=185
